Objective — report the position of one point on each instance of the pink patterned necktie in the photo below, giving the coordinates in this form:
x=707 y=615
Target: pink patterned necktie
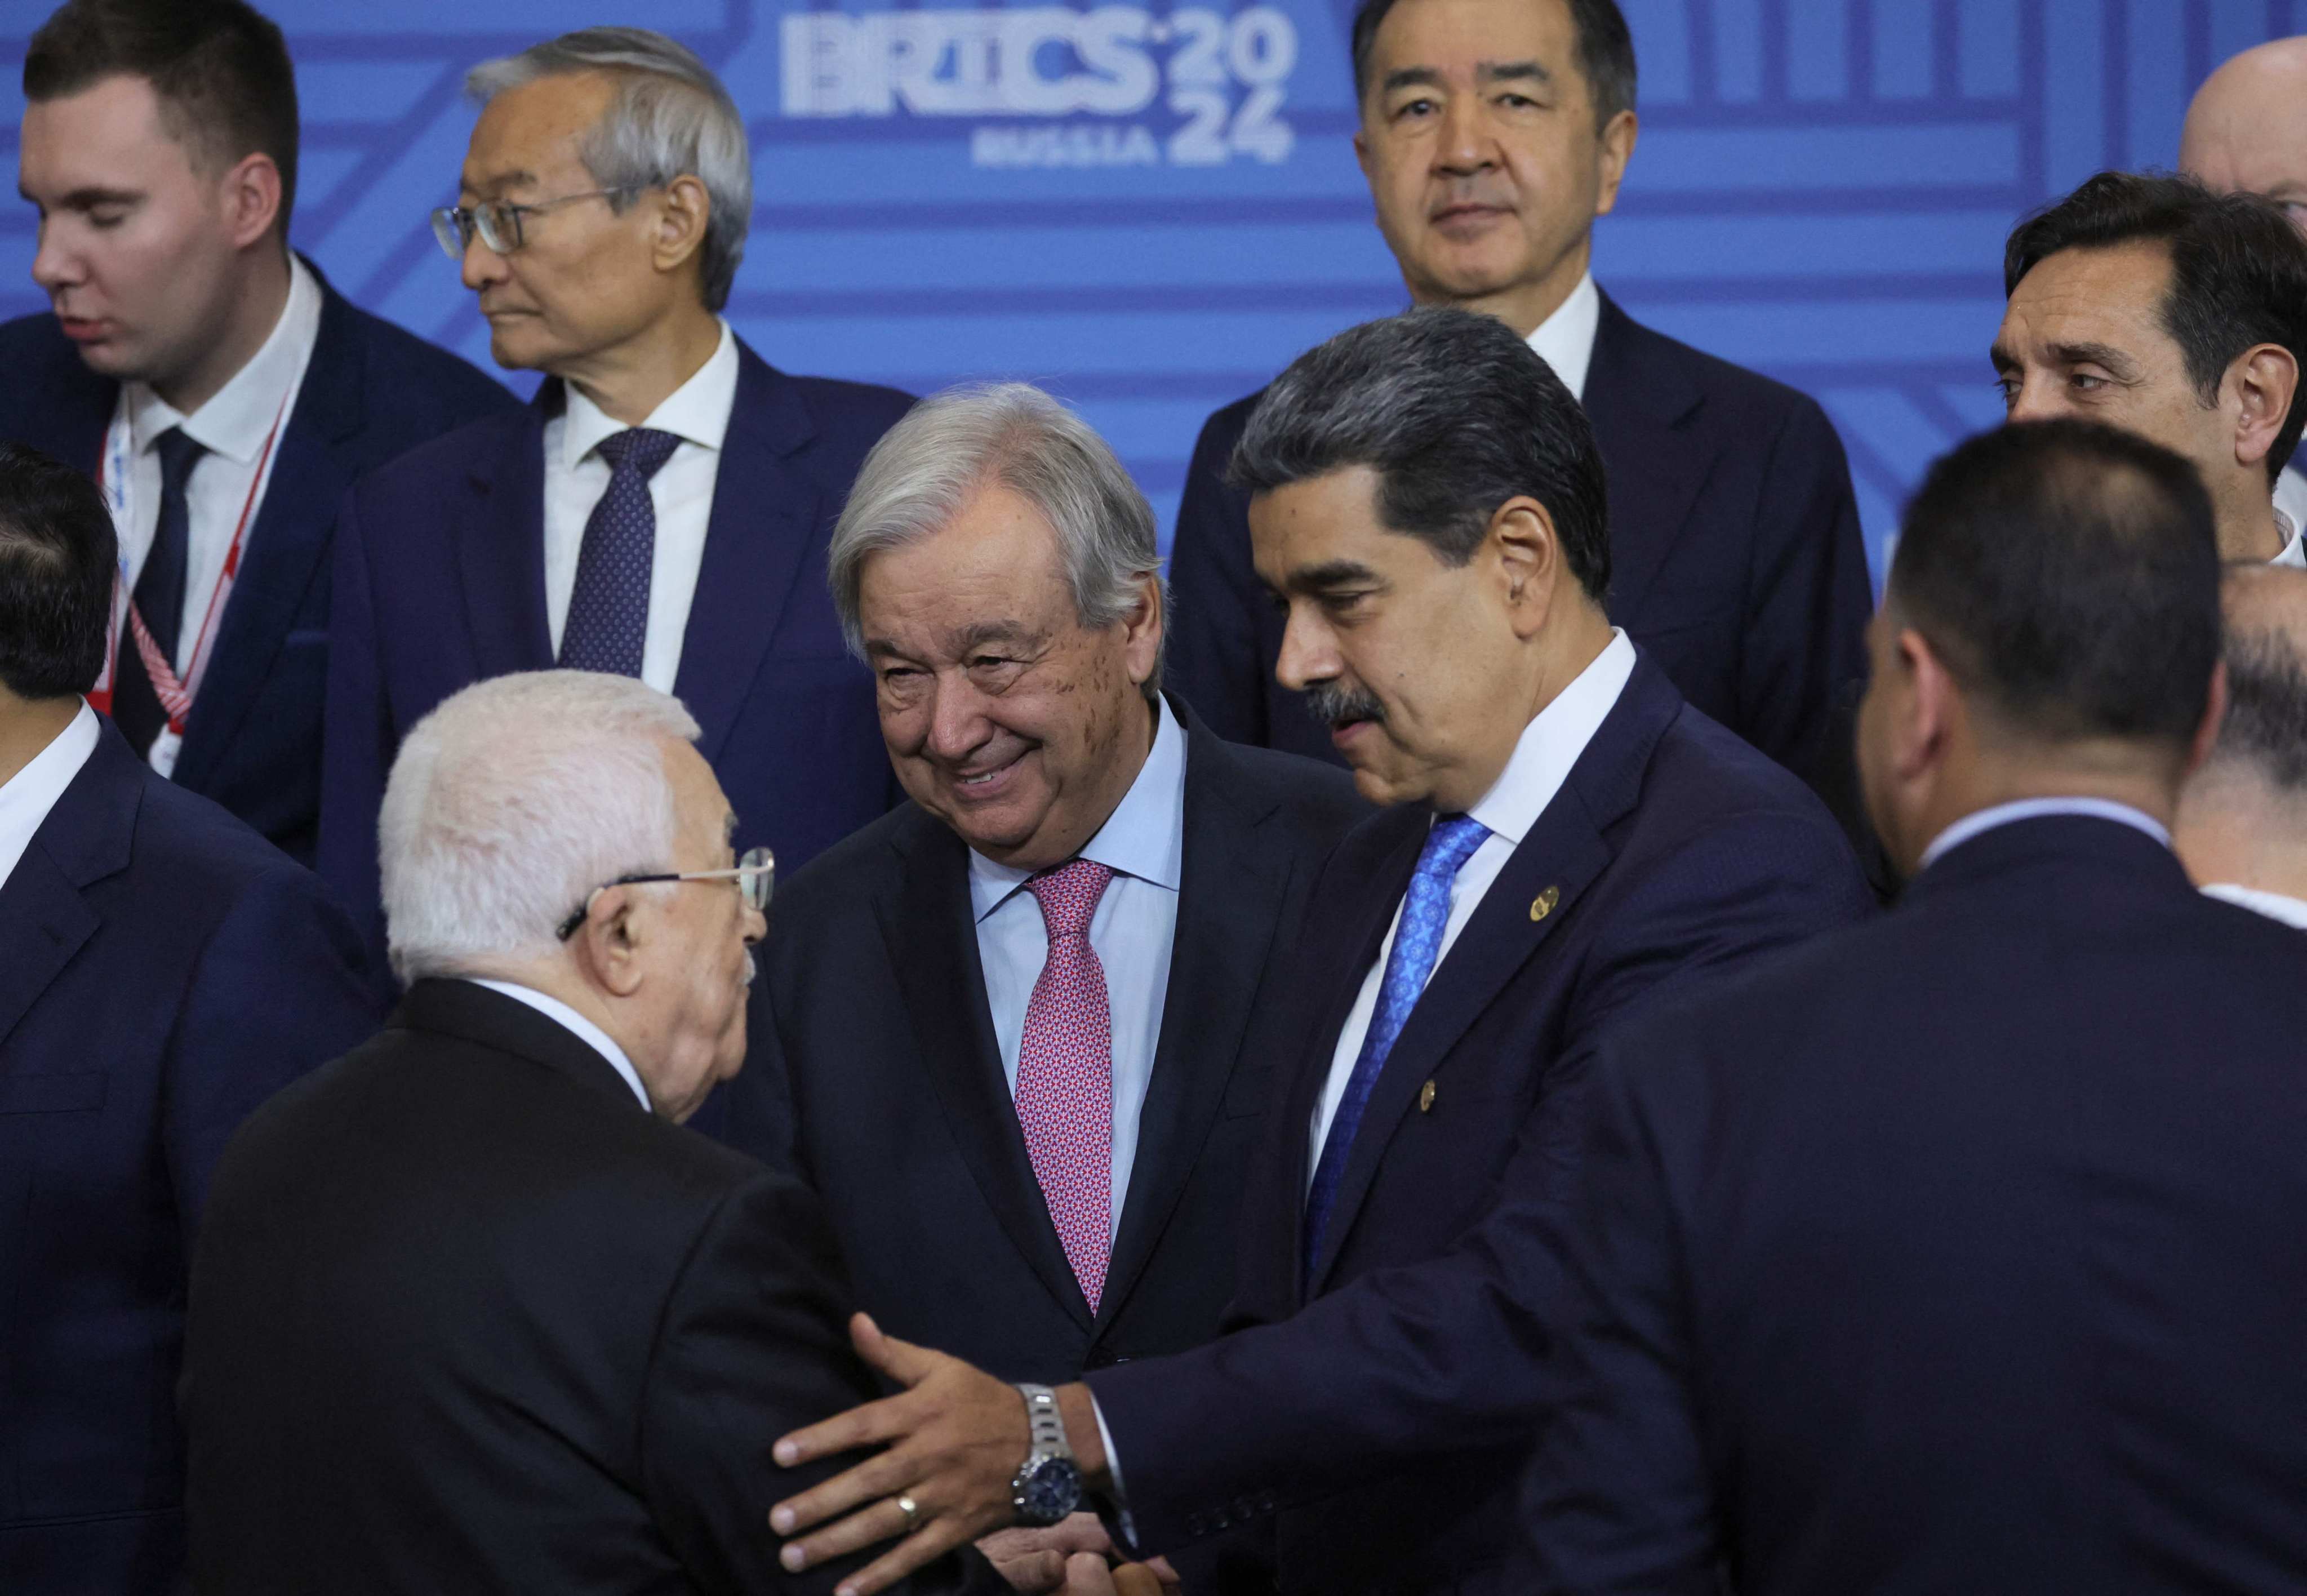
x=1065 y=1074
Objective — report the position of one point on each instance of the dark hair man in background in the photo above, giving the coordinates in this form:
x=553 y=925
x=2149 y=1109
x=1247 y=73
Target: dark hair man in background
x=660 y=510
x=1493 y=134
x=2151 y=304
x=1960 y=1251
x=222 y=393
x=2242 y=820
x=1566 y=840
x=162 y=970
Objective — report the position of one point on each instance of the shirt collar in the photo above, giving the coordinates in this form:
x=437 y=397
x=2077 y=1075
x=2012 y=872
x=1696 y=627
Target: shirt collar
x=2295 y=546
x=1145 y=836
x=697 y=412
x=2032 y=809
x=2275 y=906
x=239 y=416
x=1550 y=744
x=585 y=1030
x=1565 y=339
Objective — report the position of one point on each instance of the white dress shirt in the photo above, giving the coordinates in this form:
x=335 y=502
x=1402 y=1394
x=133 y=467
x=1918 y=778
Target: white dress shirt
x=27 y=797
x=576 y=1025
x=2291 y=516
x=1144 y=843
x=233 y=425
x=2030 y=809
x=576 y=477
x=2275 y=906
x=1550 y=745
x=1565 y=339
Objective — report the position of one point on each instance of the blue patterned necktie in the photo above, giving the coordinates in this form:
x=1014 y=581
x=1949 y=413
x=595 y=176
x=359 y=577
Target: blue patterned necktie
x=607 y=626
x=1416 y=943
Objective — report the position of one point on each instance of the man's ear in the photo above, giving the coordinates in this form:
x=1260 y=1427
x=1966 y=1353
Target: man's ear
x=1528 y=552
x=1617 y=148
x=2264 y=379
x=684 y=217
x=1142 y=642
x=609 y=942
x=252 y=198
x=1927 y=709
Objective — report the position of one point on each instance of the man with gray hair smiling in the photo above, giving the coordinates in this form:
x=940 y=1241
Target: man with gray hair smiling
x=1010 y=1032
x=470 y=1310
x=660 y=510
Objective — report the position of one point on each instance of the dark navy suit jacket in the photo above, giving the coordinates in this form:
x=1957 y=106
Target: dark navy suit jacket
x=162 y=970
x=372 y=392
x=874 y=1075
x=1959 y=1252
x=441 y=584
x=1735 y=549
x=1387 y=1421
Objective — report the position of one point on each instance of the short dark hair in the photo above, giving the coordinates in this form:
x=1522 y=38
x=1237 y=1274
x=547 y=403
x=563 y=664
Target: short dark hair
x=218 y=67
x=2266 y=723
x=2238 y=271
x=56 y=565
x=1456 y=416
x=2067 y=572
x=1606 y=52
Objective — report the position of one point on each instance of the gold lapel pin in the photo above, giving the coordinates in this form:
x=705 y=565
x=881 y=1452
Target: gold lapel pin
x=1543 y=904
x=1425 y=1098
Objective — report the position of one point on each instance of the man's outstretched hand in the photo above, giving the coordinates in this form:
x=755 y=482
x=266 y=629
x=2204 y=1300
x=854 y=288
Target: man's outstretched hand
x=956 y=1436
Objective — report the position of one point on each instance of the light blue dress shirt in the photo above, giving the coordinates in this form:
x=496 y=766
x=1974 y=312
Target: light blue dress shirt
x=1144 y=843
x=1987 y=820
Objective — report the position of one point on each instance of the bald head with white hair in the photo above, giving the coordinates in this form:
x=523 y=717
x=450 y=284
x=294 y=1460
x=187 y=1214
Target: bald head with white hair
x=2241 y=827
x=2246 y=131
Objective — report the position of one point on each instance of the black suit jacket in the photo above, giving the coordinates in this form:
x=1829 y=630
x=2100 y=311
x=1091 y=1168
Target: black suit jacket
x=465 y=1316
x=874 y=1075
x=1961 y=1252
x=441 y=584
x=370 y=393
x=162 y=970
x=1384 y=1416
x=1736 y=557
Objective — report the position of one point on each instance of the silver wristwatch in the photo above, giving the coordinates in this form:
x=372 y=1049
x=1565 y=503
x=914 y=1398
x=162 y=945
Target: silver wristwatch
x=1048 y=1485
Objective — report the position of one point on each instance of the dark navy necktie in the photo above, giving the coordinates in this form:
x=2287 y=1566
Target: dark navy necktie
x=159 y=594
x=607 y=627
x=1416 y=944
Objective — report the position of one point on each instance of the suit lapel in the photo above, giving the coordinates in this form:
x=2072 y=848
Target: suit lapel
x=932 y=937
x=86 y=838
x=499 y=532
x=1641 y=403
x=762 y=529
x=1563 y=852
x=1230 y=899
x=284 y=548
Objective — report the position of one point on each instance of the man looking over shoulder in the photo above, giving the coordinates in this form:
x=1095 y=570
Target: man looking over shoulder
x=661 y=509
x=2241 y=829
x=223 y=394
x=2153 y=305
x=1493 y=134
x=1565 y=840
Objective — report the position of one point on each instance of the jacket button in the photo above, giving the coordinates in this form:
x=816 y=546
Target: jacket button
x=1194 y=1525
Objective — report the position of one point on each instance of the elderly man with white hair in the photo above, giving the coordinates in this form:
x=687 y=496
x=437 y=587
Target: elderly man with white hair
x=470 y=1309
x=660 y=510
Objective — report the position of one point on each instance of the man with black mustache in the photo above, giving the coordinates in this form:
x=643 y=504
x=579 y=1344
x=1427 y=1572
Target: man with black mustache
x=1566 y=839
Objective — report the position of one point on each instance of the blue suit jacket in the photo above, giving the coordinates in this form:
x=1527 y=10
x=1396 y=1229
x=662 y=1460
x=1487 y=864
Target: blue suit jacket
x=1962 y=1252
x=162 y=970
x=1735 y=556
x=372 y=392
x=1386 y=1422
x=441 y=583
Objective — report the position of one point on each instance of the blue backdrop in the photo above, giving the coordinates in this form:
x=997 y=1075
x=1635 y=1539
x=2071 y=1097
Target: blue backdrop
x=1150 y=210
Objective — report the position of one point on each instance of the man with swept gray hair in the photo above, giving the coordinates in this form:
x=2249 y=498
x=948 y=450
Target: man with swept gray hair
x=470 y=1309
x=2241 y=829
x=660 y=510
x=1005 y=1030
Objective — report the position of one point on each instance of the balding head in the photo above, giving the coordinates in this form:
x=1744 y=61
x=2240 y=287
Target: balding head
x=2247 y=129
x=2243 y=820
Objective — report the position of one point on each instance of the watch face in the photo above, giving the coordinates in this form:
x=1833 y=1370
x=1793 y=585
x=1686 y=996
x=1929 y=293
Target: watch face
x=1047 y=1490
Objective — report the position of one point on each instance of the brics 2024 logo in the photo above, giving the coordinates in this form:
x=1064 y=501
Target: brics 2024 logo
x=1095 y=80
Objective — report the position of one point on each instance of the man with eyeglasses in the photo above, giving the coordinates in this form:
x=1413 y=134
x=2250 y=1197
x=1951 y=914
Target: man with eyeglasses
x=470 y=1309
x=661 y=511
x=219 y=390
